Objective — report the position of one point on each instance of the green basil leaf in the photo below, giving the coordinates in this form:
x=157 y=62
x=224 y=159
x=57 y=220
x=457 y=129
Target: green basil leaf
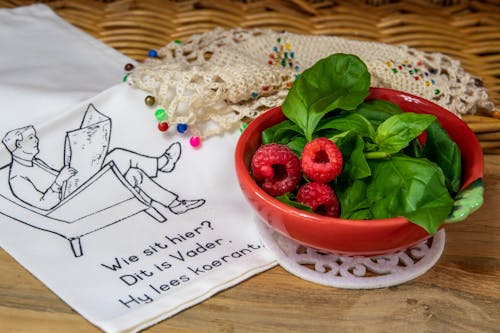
x=352 y=146
x=354 y=122
x=377 y=111
x=362 y=214
x=289 y=200
x=285 y=135
x=338 y=81
x=397 y=131
x=440 y=148
x=410 y=187
x=414 y=149
x=467 y=201
x=282 y=129
x=370 y=147
x=356 y=165
x=297 y=144
x=326 y=133
x=352 y=198
x=345 y=141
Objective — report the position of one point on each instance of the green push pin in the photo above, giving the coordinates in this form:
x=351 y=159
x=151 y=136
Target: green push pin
x=160 y=114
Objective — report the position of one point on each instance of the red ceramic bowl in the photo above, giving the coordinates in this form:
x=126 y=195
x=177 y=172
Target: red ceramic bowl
x=354 y=237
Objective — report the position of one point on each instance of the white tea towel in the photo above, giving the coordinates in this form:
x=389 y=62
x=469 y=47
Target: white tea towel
x=125 y=248
x=151 y=226
x=46 y=64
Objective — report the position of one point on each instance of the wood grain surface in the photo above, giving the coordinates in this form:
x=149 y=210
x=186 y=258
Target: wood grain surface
x=461 y=293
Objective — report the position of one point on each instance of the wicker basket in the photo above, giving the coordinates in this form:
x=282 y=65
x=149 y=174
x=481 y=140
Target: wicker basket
x=466 y=30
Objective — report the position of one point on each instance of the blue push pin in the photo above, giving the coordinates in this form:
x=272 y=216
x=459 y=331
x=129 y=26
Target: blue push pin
x=153 y=54
x=181 y=128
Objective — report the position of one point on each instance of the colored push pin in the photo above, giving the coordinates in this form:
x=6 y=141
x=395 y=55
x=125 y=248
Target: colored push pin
x=128 y=67
x=182 y=128
x=153 y=54
x=195 y=141
x=149 y=100
x=163 y=126
x=160 y=114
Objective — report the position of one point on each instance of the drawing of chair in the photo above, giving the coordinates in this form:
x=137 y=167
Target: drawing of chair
x=105 y=199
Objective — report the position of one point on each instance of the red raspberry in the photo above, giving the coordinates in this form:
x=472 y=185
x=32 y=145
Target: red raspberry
x=321 y=160
x=320 y=197
x=276 y=168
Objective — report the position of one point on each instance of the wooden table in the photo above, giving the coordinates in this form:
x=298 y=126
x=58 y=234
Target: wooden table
x=460 y=294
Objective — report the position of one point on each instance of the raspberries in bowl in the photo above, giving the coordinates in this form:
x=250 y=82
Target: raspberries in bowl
x=378 y=171
x=276 y=168
x=278 y=171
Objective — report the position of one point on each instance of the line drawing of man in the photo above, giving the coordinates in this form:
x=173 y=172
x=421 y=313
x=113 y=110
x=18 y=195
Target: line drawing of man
x=35 y=183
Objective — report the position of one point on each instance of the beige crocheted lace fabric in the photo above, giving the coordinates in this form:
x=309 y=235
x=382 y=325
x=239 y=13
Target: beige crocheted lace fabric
x=214 y=80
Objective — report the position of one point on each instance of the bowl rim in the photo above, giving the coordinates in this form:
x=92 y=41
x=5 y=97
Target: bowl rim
x=245 y=177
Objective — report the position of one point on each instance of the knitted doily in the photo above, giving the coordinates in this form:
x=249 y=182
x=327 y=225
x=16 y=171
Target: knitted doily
x=213 y=80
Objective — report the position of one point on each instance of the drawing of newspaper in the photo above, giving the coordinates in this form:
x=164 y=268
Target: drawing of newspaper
x=85 y=148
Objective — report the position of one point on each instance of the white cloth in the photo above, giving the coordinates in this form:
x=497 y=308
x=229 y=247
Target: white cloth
x=106 y=250
x=35 y=182
x=191 y=256
x=46 y=65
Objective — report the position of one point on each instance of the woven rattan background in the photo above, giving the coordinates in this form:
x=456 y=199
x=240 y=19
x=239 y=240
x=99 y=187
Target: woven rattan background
x=466 y=30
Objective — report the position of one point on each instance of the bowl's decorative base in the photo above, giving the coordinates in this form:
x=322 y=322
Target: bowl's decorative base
x=352 y=272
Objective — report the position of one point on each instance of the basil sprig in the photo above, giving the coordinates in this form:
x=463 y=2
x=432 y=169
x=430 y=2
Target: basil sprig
x=387 y=172
x=339 y=81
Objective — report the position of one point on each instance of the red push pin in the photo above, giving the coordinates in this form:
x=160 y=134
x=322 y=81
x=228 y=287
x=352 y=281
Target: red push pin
x=163 y=126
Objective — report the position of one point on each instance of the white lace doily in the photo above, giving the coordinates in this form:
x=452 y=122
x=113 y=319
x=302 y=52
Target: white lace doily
x=352 y=272
x=213 y=80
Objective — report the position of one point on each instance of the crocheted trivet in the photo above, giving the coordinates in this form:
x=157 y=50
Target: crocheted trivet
x=213 y=80
x=352 y=272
